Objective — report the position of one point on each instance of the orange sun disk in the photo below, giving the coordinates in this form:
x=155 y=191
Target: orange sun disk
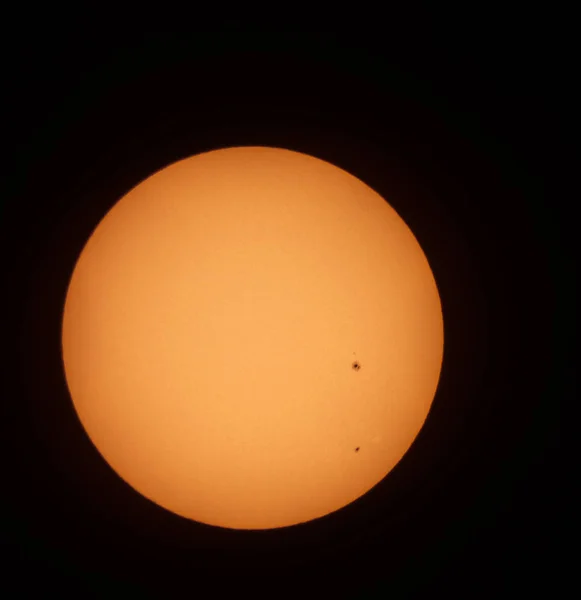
x=252 y=338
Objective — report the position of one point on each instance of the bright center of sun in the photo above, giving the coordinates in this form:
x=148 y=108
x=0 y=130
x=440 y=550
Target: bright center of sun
x=252 y=338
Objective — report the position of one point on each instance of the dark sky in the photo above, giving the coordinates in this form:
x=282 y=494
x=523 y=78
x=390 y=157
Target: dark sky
x=467 y=136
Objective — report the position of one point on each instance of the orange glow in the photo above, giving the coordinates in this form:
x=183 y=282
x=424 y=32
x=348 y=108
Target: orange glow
x=252 y=338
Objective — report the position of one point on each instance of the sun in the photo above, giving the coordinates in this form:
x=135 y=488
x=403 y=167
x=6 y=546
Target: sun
x=252 y=338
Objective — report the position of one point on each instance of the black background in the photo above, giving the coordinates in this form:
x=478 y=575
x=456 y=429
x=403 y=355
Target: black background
x=464 y=137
